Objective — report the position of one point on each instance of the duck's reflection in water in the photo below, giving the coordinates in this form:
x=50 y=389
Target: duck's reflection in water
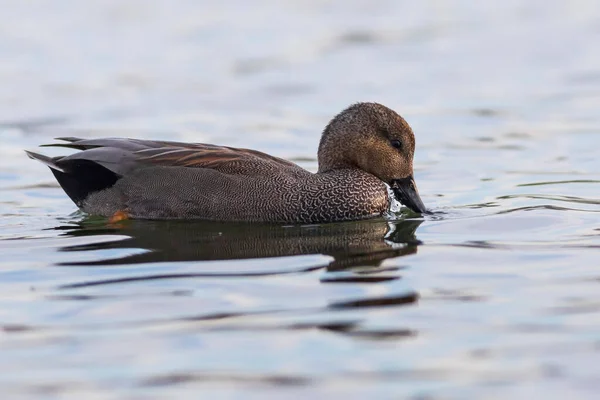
x=357 y=250
x=351 y=244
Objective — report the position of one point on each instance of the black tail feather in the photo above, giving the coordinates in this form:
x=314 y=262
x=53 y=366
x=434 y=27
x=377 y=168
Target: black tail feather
x=78 y=178
x=84 y=177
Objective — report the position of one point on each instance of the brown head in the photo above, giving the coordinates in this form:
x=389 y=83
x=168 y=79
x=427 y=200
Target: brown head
x=375 y=139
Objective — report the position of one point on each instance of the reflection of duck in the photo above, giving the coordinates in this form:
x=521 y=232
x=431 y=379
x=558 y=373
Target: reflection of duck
x=362 y=148
x=363 y=243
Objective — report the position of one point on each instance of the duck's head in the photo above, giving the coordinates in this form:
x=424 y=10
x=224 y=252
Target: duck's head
x=374 y=138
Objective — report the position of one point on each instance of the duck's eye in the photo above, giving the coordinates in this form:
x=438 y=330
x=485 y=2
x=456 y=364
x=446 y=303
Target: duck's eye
x=396 y=144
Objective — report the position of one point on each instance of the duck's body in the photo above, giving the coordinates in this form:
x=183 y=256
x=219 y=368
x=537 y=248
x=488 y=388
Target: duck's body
x=252 y=187
x=171 y=180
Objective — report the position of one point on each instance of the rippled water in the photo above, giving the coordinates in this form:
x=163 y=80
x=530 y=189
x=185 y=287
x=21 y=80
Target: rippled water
x=496 y=296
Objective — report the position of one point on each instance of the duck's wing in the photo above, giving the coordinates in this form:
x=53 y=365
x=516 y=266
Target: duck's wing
x=122 y=155
x=222 y=158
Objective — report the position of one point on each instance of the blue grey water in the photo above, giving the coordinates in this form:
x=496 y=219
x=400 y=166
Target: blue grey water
x=496 y=296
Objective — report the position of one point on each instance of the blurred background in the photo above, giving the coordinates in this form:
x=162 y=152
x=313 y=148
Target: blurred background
x=504 y=99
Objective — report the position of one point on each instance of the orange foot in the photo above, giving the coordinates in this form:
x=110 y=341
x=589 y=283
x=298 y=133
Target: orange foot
x=118 y=216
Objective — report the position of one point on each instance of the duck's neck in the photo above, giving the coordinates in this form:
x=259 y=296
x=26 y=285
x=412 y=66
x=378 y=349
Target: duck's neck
x=333 y=168
x=330 y=160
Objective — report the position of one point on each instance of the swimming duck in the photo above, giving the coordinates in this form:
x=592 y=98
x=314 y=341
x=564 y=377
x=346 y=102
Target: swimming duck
x=362 y=149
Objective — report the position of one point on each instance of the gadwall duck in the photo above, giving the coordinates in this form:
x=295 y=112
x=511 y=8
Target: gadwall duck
x=362 y=149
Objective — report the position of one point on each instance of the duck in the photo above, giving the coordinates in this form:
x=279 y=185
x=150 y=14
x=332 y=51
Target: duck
x=364 y=150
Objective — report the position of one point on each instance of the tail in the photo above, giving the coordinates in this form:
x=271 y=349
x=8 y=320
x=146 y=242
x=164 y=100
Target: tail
x=48 y=161
x=78 y=177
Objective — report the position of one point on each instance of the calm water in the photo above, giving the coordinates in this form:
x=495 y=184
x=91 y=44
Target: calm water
x=496 y=296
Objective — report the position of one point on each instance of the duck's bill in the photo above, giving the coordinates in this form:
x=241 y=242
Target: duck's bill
x=405 y=191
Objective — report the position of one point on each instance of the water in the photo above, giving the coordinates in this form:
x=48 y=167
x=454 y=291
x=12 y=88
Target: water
x=495 y=296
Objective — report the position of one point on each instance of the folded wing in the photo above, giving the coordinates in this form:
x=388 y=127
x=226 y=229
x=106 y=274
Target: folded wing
x=99 y=163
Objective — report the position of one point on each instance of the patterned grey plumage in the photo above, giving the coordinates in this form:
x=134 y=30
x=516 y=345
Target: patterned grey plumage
x=170 y=180
x=188 y=193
